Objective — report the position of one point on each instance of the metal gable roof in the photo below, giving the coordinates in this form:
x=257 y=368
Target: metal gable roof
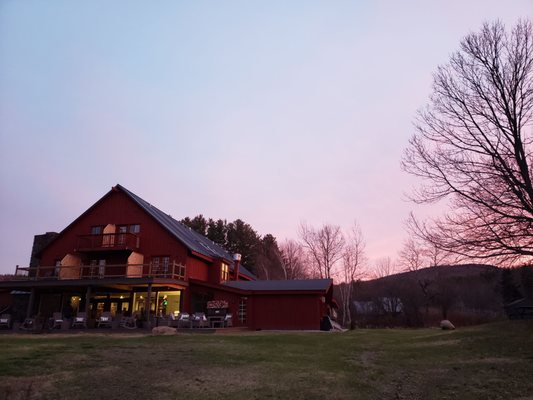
x=189 y=237
x=283 y=285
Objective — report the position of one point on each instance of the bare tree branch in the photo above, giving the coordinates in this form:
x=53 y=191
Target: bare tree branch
x=474 y=144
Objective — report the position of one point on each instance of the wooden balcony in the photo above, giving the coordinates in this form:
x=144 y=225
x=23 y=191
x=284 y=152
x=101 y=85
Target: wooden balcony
x=65 y=272
x=108 y=241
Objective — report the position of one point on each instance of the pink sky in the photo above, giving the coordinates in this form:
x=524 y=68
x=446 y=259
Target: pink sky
x=270 y=112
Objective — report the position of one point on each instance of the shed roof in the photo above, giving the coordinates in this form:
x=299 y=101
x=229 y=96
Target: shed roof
x=313 y=285
x=189 y=237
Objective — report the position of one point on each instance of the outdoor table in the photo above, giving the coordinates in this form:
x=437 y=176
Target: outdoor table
x=216 y=319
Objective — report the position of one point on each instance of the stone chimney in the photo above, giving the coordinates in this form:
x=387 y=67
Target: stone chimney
x=236 y=265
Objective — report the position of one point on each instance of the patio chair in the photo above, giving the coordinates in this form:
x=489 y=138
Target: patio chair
x=80 y=320
x=105 y=320
x=5 y=321
x=173 y=319
x=56 y=322
x=29 y=324
x=228 y=320
x=128 y=322
x=184 y=320
x=199 y=320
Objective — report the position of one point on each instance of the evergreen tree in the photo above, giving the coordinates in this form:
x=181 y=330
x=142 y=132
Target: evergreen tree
x=217 y=231
x=242 y=239
x=198 y=223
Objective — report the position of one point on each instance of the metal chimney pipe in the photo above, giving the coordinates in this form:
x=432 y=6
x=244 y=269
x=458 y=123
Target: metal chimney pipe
x=236 y=265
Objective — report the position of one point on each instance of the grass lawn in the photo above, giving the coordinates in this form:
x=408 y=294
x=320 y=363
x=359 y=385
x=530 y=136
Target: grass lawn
x=493 y=361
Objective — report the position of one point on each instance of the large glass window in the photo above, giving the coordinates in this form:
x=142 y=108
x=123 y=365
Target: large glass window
x=167 y=303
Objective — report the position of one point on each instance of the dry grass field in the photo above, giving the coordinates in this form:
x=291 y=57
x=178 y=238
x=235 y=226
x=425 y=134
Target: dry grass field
x=493 y=361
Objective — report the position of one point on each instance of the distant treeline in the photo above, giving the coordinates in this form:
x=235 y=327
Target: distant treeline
x=465 y=294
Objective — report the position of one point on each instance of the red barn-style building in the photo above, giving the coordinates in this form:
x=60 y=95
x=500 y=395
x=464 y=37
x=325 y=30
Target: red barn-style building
x=125 y=256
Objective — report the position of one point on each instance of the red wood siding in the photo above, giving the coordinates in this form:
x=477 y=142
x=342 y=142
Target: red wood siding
x=285 y=311
x=198 y=269
x=117 y=209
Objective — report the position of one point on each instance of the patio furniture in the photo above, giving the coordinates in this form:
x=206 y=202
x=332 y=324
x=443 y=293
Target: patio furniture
x=80 y=320
x=184 y=320
x=173 y=319
x=228 y=320
x=216 y=313
x=5 y=321
x=29 y=324
x=105 y=320
x=128 y=322
x=199 y=320
x=217 y=320
x=56 y=321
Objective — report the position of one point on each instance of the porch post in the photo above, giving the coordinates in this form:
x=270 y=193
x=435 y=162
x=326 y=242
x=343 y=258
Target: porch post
x=31 y=300
x=107 y=304
x=62 y=303
x=130 y=303
x=147 y=305
x=87 y=300
x=156 y=315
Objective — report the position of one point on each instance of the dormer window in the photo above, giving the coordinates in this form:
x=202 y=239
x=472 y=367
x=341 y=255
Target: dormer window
x=224 y=272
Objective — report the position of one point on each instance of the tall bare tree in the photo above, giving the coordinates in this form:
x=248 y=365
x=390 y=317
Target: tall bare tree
x=293 y=260
x=325 y=247
x=353 y=259
x=474 y=145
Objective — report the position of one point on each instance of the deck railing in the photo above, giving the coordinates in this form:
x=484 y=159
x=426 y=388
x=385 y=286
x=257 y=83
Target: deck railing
x=64 y=272
x=108 y=241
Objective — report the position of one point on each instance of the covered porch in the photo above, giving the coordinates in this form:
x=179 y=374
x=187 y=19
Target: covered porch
x=150 y=301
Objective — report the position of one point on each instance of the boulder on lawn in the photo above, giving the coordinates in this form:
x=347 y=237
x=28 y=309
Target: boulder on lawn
x=163 y=330
x=447 y=325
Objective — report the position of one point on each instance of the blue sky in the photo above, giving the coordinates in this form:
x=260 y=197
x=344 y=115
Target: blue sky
x=273 y=112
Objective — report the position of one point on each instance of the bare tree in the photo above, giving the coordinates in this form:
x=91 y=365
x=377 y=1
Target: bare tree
x=424 y=248
x=383 y=267
x=411 y=256
x=353 y=259
x=293 y=260
x=325 y=247
x=474 y=146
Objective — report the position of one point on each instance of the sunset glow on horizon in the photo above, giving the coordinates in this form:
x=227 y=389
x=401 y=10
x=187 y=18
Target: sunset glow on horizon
x=273 y=113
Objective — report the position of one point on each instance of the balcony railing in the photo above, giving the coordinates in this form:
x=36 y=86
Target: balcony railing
x=64 y=272
x=109 y=241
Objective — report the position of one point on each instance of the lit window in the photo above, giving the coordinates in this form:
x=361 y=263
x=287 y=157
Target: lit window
x=224 y=272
